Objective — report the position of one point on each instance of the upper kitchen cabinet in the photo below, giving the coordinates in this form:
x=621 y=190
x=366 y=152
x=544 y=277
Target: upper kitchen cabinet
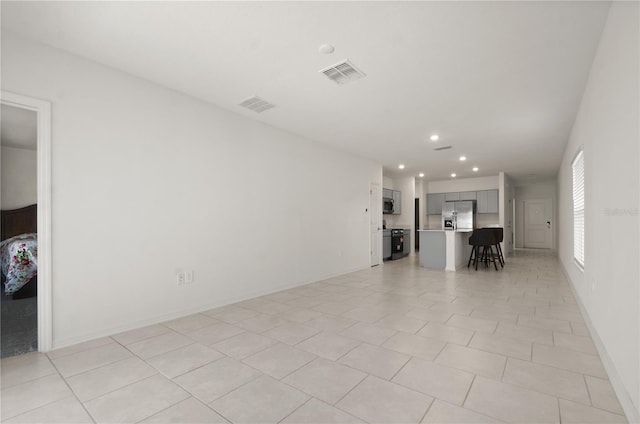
x=394 y=195
x=397 y=204
x=451 y=197
x=487 y=201
x=468 y=195
x=434 y=203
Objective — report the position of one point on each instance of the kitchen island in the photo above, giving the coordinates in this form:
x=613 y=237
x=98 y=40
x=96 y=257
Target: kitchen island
x=445 y=249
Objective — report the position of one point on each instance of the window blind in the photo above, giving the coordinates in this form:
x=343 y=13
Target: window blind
x=578 y=208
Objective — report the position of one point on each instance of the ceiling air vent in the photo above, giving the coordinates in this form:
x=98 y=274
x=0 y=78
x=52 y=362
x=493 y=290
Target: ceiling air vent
x=256 y=104
x=343 y=72
x=442 y=148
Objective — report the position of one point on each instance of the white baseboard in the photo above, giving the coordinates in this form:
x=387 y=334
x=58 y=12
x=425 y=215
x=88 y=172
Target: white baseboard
x=629 y=408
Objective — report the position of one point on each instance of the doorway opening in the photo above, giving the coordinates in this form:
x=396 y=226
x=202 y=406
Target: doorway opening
x=417 y=224
x=25 y=246
x=18 y=235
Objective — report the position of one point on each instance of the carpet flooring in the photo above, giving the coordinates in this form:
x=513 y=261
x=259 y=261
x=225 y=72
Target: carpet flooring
x=18 y=326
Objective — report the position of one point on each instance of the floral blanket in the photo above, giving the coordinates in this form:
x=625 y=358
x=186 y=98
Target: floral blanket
x=18 y=261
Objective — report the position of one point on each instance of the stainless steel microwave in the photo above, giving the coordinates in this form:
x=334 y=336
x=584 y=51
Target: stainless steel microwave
x=387 y=205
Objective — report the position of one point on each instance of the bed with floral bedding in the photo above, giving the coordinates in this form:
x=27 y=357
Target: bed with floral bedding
x=18 y=261
x=19 y=251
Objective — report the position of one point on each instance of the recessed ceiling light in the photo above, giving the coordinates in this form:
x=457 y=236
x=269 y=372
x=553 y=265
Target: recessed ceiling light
x=453 y=175
x=326 y=49
x=435 y=137
x=421 y=175
x=475 y=169
x=401 y=166
x=463 y=158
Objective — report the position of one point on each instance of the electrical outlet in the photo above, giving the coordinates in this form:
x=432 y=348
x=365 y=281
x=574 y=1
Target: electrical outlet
x=188 y=277
x=180 y=278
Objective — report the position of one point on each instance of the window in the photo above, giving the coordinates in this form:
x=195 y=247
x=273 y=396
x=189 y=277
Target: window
x=578 y=208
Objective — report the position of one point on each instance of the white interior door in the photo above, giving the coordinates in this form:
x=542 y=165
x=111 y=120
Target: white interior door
x=537 y=223
x=375 y=213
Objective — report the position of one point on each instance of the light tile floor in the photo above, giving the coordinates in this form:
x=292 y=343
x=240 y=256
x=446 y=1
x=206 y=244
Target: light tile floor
x=392 y=344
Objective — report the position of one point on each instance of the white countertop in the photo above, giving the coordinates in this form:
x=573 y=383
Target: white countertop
x=459 y=230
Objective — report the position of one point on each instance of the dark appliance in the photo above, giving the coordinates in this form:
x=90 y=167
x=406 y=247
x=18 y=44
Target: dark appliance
x=448 y=222
x=387 y=205
x=397 y=243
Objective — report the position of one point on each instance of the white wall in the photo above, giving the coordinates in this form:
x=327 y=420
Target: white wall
x=536 y=191
x=606 y=127
x=19 y=177
x=505 y=217
x=147 y=182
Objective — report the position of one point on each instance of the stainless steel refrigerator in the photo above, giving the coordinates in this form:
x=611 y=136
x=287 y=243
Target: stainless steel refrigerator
x=460 y=214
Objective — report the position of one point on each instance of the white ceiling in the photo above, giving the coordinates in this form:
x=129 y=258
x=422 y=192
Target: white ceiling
x=499 y=81
x=18 y=127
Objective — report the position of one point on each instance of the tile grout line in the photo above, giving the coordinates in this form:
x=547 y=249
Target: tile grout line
x=400 y=369
x=298 y=407
x=504 y=369
x=79 y=351
x=559 y=410
x=144 y=338
x=468 y=391
x=366 y=375
x=74 y=393
x=193 y=369
x=584 y=377
x=229 y=392
x=433 y=400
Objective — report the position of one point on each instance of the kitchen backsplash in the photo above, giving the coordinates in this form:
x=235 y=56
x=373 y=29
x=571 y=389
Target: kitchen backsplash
x=396 y=221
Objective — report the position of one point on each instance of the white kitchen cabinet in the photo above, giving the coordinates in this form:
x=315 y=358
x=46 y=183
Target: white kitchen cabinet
x=481 y=201
x=487 y=201
x=397 y=204
x=492 y=201
x=451 y=197
x=387 y=193
x=386 y=244
x=468 y=195
x=434 y=203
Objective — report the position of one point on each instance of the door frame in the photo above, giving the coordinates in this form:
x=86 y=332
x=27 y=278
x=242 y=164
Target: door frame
x=377 y=240
x=513 y=225
x=548 y=201
x=43 y=133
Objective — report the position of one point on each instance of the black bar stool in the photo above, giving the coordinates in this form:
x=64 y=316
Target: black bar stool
x=499 y=234
x=484 y=238
x=499 y=239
